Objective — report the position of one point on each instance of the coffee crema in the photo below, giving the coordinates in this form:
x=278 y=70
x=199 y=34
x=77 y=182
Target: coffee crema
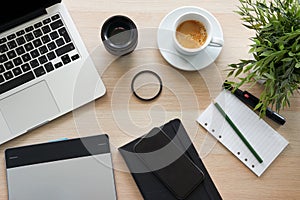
x=191 y=34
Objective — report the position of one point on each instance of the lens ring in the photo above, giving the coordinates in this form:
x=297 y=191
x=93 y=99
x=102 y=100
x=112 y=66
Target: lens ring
x=160 y=85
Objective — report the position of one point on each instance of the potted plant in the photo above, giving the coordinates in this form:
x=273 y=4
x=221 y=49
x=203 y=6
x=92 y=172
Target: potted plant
x=275 y=51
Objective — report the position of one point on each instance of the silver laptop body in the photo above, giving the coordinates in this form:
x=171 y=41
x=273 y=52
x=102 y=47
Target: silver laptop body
x=60 y=75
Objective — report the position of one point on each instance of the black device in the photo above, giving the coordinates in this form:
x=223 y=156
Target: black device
x=250 y=100
x=180 y=175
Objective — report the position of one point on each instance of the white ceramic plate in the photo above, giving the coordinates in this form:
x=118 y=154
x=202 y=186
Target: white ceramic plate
x=183 y=62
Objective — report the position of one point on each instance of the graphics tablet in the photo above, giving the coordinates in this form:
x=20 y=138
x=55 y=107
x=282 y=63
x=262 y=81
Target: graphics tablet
x=74 y=169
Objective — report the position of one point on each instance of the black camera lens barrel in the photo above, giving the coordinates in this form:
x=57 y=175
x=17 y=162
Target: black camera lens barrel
x=119 y=35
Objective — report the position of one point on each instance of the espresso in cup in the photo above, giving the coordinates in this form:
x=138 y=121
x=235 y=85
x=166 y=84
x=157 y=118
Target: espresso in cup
x=191 y=34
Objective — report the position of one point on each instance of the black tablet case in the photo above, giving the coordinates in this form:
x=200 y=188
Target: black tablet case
x=150 y=186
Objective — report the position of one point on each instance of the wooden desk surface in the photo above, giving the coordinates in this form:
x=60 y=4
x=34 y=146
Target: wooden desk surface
x=124 y=118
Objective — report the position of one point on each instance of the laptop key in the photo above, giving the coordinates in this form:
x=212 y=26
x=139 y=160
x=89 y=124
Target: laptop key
x=20 y=40
x=3 y=48
x=56 y=24
x=58 y=65
x=39 y=71
x=37 y=43
x=62 y=50
x=8 y=65
x=8 y=75
x=42 y=59
x=43 y=49
x=51 y=46
x=11 y=54
x=20 y=50
x=1 y=79
x=46 y=29
x=51 y=55
x=66 y=59
x=21 y=32
x=37 y=33
x=75 y=57
x=49 y=67
x=34 y=63
x=17 y=81
x=46 y=39
x=34 y=53
x=2 y=69
x=28 y=46
x=26 y=57
x=46 y=21
x=28 y=29
x=12 y=44
x=2 y=40
x=25 y=67
x=54 y=35
x=17 y=61
x=55 y=17
x=12 y=36
x=37 y=25
x=59 y=42
x=29 y=37
x=3 y=58
x=63 y=32
x=17 y=71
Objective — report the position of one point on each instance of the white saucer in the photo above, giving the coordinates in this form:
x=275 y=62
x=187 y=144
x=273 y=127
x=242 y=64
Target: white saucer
x=183 y=62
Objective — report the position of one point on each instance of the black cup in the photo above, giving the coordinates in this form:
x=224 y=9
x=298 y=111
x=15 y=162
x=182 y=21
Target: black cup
x=119 y=35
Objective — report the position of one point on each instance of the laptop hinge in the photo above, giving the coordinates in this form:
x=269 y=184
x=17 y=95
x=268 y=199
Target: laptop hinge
x=23 y=19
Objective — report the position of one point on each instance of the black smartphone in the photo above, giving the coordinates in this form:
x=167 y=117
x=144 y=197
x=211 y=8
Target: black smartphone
x=170 y=164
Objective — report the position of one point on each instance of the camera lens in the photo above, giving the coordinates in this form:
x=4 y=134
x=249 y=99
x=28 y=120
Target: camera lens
x=119 y=35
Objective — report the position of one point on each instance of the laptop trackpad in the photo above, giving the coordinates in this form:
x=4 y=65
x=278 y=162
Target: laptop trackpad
x=29 y=107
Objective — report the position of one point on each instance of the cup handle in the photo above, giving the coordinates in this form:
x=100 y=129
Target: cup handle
x=216 y=42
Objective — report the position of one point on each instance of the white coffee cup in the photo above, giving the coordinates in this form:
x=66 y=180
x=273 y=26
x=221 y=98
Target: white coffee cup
x=210 y=39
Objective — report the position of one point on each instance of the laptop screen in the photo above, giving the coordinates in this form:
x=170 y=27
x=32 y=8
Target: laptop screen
x=12 y=10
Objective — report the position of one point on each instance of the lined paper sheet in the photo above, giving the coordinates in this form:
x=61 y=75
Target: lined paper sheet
x=263 y=138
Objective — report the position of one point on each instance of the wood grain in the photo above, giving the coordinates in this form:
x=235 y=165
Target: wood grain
x=185 y=95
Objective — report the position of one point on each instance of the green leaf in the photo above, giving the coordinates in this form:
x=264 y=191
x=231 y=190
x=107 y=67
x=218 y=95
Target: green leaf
x=260 y=49
x=257 y=41
x=238 y=72
x=281 y=46
x=297 y=65
x=230 y=73
x=266 y=53
x=252 y=50
x=233 y=66
x=258 y=106
x=291 y=54
x=248 y=68
x=287 y=59
x=269 y=76
x=298 y=47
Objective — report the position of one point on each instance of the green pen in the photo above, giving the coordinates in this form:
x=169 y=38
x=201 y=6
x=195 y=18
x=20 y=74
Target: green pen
x=238 y=132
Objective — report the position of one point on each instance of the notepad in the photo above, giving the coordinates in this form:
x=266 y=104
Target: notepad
x=263 y=138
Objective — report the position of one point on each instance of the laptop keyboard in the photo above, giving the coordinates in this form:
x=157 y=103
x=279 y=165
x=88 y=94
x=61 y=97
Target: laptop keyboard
x=34 y=52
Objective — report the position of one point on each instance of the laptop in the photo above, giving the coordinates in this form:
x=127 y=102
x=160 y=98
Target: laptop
x=74 y=169
x=45 y=68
